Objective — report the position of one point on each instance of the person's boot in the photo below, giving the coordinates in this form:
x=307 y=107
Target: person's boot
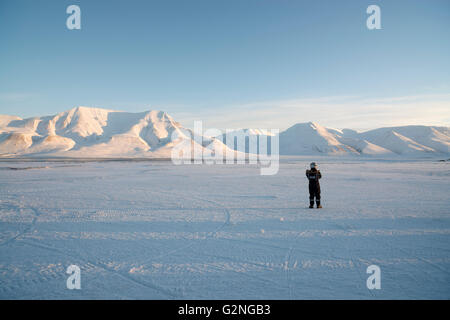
x=311 y=204
x=318 y=205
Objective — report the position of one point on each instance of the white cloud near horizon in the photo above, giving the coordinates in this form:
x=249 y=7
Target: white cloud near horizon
x=339 y=112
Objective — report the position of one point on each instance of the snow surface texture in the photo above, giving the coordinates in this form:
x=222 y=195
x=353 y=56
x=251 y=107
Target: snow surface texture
x=85 y=132
x=152 y=230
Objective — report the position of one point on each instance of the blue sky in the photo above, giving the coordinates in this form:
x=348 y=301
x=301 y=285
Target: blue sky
x=231 y=63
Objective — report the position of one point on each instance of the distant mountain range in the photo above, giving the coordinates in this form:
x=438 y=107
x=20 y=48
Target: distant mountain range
x=304 y=138
x=84 y=132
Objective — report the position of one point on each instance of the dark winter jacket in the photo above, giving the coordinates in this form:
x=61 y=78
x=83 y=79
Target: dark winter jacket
x=313 y=176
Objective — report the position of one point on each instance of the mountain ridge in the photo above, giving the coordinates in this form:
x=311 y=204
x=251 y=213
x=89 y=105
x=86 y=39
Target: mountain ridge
x=96 y=132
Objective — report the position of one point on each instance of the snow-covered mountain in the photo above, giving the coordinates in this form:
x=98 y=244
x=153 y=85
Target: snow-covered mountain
x=242 y=137
x=93 y=132
x=100 y=133
x=311 y=138
x=414 y=140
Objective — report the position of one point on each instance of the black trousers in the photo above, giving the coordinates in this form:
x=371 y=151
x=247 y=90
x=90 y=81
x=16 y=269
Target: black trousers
x=314 y=192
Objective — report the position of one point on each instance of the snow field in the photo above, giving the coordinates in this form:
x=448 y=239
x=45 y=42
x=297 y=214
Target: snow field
x=152 y=230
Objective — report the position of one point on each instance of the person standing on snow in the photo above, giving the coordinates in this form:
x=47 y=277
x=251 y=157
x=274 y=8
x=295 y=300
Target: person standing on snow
x=313 y=176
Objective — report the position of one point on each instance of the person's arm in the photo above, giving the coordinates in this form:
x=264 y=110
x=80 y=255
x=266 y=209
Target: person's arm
x=319 y=174
x=307 y=171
